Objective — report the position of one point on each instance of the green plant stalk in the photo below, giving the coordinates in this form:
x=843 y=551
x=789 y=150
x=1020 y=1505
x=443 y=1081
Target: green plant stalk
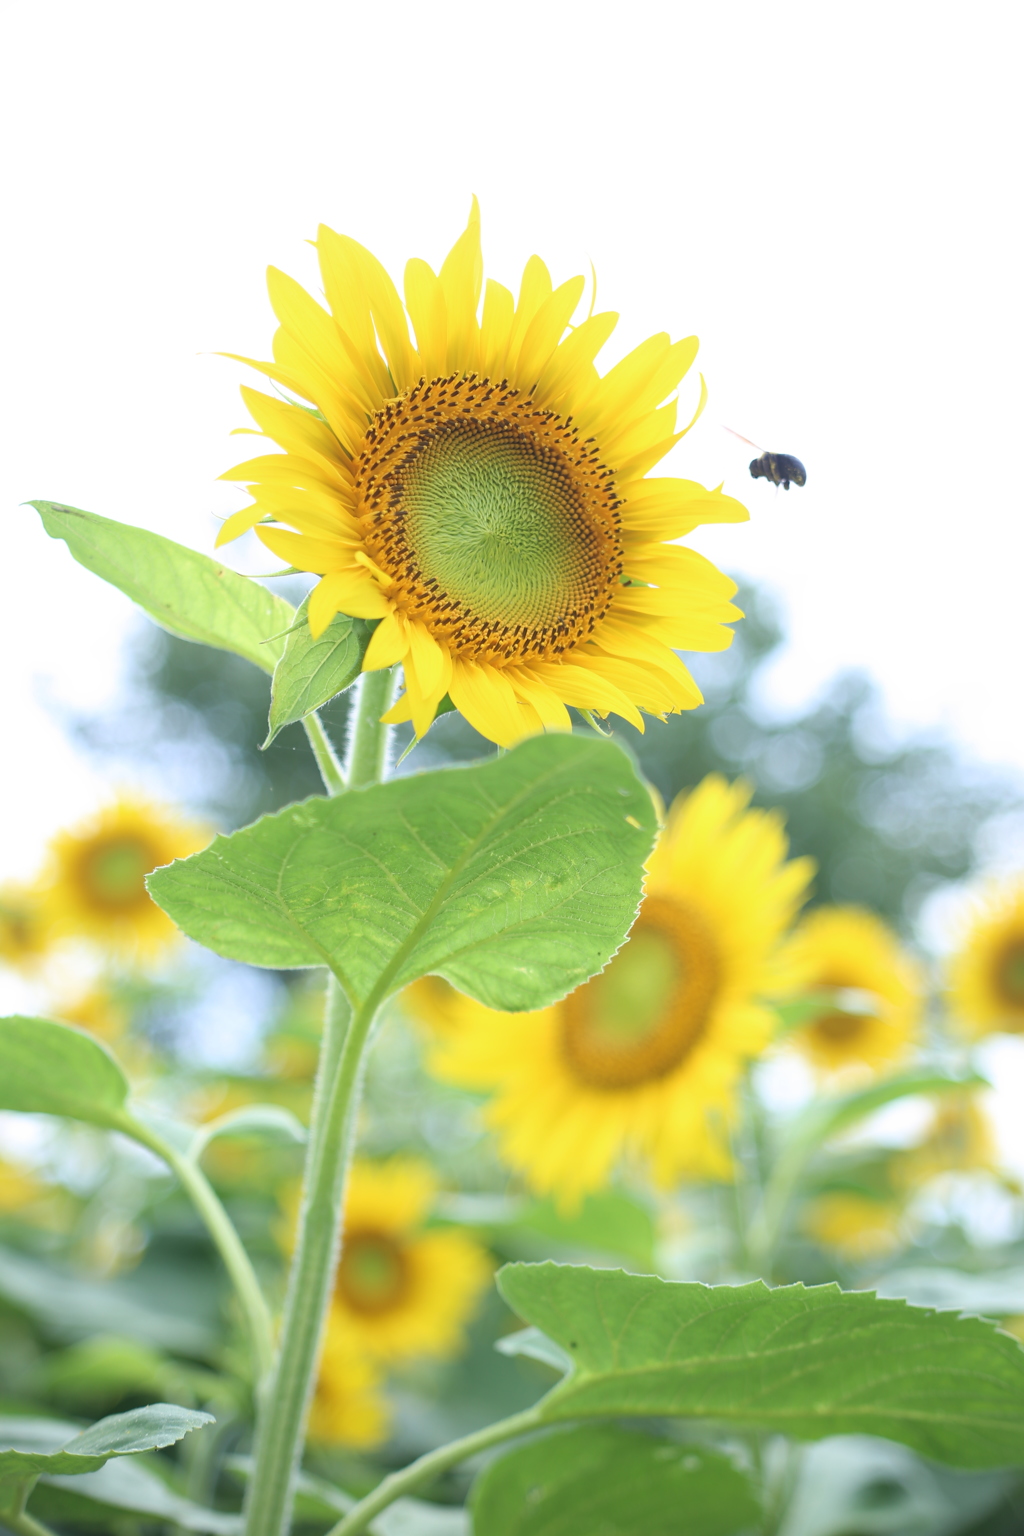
x=368 y=738
x=326 y=759
x=281 y=1422
x=427 y=1467
x=226 y=1239
x=24 y=1525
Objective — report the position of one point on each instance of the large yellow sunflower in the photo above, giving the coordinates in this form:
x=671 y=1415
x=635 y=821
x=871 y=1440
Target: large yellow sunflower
x=482 y=491
x=986 y=975
x=644 y=1058
x=856 y=1226
x=402 y=1288
x=873 y=1023
x=95 y=886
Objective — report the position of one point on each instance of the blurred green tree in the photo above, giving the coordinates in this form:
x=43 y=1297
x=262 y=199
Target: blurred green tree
x=886 y=819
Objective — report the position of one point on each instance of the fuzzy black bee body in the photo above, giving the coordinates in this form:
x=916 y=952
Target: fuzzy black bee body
x=779 y=468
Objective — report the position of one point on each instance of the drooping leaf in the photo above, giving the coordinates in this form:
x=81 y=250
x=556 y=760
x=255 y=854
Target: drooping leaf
x=515 y=879
x=311 y=672
x=826 y=1118
x=803 y=1361
x=129 y=1484
x=182 y=590
x=599 y=1478
x=71 y=1306
x=122 y=1434
x=57 y=1069
x=270 y=1120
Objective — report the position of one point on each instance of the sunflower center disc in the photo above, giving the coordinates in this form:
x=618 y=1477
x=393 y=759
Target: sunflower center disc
x=373 y=1273
x=496 y=523
x=113 y=872
x=1010 y=974
x=643 y=1015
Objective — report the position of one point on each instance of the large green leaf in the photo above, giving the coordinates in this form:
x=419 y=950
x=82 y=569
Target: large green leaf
x=515 y=879
x=613 y=1481
x=125 y=1483
x=56 y=1069
x=807 y=1362
x=23 y=1458
x=311 y=672
x=186 y=592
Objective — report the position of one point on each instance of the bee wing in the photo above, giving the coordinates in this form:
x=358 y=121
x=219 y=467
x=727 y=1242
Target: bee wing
x=744 y=439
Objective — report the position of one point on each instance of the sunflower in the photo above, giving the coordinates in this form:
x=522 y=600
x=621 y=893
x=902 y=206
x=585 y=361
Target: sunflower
x=95 y=883
x=986 y=975
x=482 y=492
x=873 y=1021
x=403 y=1289
x=644 y=1058
x=25 y=933
x=348 y=1407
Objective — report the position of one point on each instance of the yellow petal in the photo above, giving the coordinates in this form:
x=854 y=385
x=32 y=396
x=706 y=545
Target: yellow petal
x=546 y=330
x=364 y=302
x=350 y=592
x=239 y=523
x=318 y=334
x=424 y=299
x=534 y=289
x=295 y=429
x=461 y=278
x=306 y=554
x=495 y=330
x=290 y=469
x=573 y=356
x=431 y=661
x=388 y=644
x=670 y=509
x=585 y=690
x=487 y=701
x=274 y=371
x=551 y=712
x=618 y=638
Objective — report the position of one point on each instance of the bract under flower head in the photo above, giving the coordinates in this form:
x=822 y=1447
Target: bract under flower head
x=482 y=490
x=643 y=1059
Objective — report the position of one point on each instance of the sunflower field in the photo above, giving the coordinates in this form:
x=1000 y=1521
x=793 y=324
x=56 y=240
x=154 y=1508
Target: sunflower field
x=504 y=1096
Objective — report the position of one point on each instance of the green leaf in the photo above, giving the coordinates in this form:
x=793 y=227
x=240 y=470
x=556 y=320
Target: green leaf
x=186 y=592
x=122 y=1434
x=55 y=1069
x=613 y=1481
x=272 y=1121
x=67 y=1305
x=515 y=879
x=825 y=1118
x=129 y=1484
x=807 y=1362
x=311 y=672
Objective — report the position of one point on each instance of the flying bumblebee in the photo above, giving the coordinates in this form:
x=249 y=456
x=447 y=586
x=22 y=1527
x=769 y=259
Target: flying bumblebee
x=779 y=468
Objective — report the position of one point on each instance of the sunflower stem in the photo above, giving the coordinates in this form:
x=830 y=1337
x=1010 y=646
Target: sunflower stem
x=25 y=1525
x=427 y=1467
x=326 y=759
x=227 y=1241
x=281 y=1422
x=368 y=736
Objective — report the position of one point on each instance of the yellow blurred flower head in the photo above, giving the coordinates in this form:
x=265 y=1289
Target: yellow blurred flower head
x=94 y=884
x=25 y=932
x=986 y=975
x=481 y=489
x=348 y=1405
x=873 y=1023
x=403 y=1289
x=855 y=1226
x=643 y=1059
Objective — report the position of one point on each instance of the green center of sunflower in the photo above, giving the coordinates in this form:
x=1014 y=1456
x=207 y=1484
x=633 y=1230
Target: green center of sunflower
x=114 y=870
x=1010 y=974
x=644 y=1014
x=373 y=1275
x=497 y=525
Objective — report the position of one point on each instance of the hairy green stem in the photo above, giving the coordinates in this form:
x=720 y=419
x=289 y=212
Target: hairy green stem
x=227 y=1241
x=427 y=1467
x=281 y=1423
x=326 y=758
x=368 y=737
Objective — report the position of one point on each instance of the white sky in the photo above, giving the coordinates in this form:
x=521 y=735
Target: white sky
x=828 y=196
